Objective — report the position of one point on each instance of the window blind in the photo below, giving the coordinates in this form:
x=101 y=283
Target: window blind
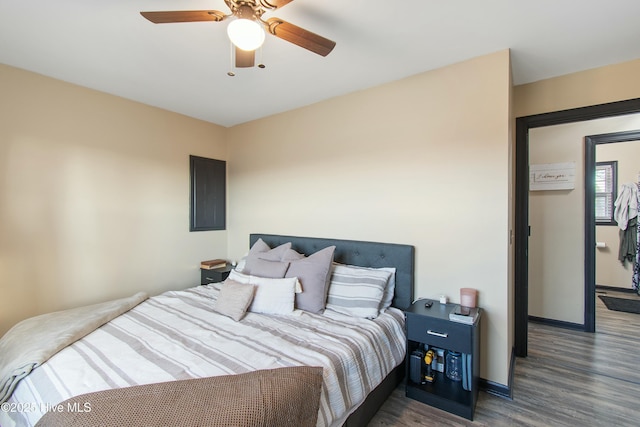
x=605 y=189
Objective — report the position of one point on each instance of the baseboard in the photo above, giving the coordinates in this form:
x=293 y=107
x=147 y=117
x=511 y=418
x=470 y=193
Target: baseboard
x=495 y=389
x=614 y=288
x=557 y=323
x=501 y=390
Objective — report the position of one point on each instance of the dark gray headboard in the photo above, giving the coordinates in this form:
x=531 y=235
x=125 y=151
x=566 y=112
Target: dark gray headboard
x=364 y=254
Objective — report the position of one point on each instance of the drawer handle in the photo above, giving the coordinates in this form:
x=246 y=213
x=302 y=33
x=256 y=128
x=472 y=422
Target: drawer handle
x=438 y=334
x=209 y=278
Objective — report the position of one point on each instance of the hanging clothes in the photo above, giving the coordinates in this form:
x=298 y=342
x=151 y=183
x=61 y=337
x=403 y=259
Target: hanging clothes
x=628 y=242
x=625 y=213
x=626 y=205
x=635 y=279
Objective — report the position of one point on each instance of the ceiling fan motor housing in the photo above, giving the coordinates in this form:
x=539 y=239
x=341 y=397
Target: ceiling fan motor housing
x=246 y=9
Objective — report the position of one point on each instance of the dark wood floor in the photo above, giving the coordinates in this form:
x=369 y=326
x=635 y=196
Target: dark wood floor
x=570 y=378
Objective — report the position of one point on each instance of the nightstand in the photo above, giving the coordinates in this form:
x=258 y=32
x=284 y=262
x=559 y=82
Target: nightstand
x=430 y=328
x=214 y=275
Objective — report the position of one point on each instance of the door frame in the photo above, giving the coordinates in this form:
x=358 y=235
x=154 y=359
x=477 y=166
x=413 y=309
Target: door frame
x=521 y=201
x=589 y=216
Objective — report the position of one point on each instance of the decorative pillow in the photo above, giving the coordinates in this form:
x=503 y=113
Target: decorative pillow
x=264 y=268
x=234 y=299
x=314 y=273
x=240 y=265
x=389 y=290
x=245 y=278
x=261 y=250
x=239 y=277
x=357 y=291
x=273 y=296
x=291 y=255
x=259 y=246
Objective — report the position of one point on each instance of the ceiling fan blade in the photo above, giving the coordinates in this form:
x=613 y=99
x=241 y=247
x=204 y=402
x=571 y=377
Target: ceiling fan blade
x=274 y=4
x=300 y=36
x=183 y=16
x=245 y=58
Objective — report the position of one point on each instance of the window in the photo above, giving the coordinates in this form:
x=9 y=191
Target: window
x=208 y=194
x=606 y=192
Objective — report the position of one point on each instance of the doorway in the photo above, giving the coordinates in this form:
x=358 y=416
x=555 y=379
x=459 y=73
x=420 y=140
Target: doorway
x=521 y=223
x=591 y=143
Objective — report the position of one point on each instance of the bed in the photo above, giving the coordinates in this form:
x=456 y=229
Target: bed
x=358 y=360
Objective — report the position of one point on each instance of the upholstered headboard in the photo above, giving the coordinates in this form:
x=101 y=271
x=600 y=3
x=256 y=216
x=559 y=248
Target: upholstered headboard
x=364 y=254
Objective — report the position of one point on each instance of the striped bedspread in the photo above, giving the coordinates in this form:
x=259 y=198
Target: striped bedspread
x=176 y=336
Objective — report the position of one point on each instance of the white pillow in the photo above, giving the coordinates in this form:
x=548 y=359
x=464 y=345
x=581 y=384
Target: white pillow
x=247 y=278
x=239 y=277
x=357 y=291
x=240 y=265
x=272 y=296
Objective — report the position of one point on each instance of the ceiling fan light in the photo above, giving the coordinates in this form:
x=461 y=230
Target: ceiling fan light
x=245 y=34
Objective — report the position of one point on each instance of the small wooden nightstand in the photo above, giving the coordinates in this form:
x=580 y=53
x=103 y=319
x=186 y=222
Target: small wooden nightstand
x=214 y=275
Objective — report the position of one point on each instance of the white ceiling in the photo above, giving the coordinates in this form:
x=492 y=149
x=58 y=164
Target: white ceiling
x=106 y=45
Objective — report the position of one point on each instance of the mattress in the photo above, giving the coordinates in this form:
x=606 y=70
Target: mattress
x=176 y=336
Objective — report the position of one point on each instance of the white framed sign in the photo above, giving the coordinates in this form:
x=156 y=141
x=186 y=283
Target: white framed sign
x=552 y=176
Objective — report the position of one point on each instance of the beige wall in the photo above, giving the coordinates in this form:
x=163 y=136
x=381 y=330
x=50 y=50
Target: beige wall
x=94 y=188
x=602 y=85
x=422 y=161
x=591 y=87
x=94 y=196
x=610 y=271
x=556 y=245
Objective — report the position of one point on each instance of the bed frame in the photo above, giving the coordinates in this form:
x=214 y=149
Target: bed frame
x=364 y=254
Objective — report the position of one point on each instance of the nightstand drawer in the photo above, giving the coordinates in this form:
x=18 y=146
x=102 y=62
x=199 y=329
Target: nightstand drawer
x=215 y=275
x=439 y=333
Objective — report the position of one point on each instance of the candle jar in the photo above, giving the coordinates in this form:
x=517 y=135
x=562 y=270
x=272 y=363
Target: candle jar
x=468 y=297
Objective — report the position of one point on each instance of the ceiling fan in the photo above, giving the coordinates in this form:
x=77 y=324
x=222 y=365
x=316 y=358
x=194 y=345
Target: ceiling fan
x=248 y=14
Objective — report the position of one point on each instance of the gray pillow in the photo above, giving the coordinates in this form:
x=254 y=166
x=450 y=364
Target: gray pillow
x=314 y=273
x=261 y=251
x=291 y=255
x=264 y=268
x=234 y=299
x=259 y=246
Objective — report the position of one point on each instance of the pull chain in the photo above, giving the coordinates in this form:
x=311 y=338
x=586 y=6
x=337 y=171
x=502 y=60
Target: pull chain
x=231 y=60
